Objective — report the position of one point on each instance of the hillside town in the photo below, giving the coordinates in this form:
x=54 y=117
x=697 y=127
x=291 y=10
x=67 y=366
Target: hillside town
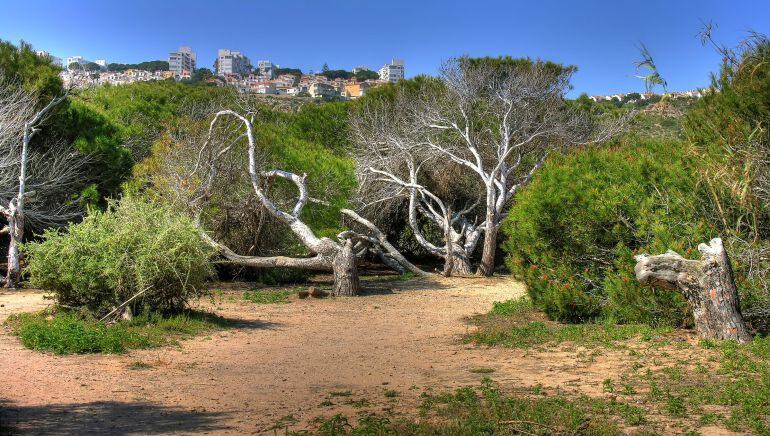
x=635 y=96
x=233 y=68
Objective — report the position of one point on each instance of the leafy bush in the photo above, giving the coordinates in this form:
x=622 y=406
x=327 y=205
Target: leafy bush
x=573 y=232
x=134 y=245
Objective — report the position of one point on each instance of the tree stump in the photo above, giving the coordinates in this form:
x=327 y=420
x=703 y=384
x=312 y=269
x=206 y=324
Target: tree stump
x=346 y=283
x=707 y=284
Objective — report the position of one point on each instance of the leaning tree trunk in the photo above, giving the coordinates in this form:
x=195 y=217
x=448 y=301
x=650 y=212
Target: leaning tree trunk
x=346 y=283
x=707 y=284
x=15 y=233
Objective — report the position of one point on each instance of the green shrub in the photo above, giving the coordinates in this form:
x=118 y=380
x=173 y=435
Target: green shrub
x=134 y=245
x=572 y=234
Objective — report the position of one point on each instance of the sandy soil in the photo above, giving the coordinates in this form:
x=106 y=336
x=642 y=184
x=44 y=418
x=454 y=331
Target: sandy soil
x=282 y=359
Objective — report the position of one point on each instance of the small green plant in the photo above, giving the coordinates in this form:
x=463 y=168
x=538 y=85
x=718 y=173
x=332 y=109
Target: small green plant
x=608 y=385
x=340 y=393
x=390 y=393
x=628 y=390
x=675 y=406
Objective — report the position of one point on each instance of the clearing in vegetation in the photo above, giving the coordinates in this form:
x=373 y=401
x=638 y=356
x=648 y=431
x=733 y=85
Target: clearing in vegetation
x=461 y=368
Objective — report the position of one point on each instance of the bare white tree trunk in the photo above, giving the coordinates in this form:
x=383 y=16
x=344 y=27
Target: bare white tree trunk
x=15 y=210
x=707 y=284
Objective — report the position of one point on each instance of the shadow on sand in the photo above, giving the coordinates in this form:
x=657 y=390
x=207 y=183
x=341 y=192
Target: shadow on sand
x=105 y=417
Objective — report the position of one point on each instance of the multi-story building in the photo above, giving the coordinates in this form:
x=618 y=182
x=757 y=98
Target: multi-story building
x=231 y=62
x=322 y=90
x=182 y=62
x=79 y=60
x=266 y=69
x=286 y=81
x=392 y=72
x=101 y=62
x=359 y=69
x=355 y=89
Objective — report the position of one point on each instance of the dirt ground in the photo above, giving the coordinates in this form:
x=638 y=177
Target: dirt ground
x=309 y=358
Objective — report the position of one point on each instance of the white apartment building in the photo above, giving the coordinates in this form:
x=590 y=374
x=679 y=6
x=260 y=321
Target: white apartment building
x=232 y=62
x=392 y=72
x=358 y=69
x=75 y=60
x=182 y=62
x=266 y=69
x=101 y=62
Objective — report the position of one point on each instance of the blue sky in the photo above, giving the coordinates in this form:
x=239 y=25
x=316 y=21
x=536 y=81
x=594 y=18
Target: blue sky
x=600 y=37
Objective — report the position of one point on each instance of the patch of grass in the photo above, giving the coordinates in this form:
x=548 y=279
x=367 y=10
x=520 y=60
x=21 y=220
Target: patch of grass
x=512 y=307
x=390 y=393
x=361 y=402
x=540 y=333
x=733 y=378
x=340 y=394
x=516 y=324
x=268 y=296
x=64 y=332
x=741 y=383
x=481 y=370
x=486 y=410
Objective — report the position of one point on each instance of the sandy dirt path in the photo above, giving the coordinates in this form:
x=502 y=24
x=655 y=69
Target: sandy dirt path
x=281 y=359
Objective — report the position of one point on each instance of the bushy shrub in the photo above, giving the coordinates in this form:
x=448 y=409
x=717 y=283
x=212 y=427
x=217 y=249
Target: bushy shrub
x=572 y=234
x=112 y=255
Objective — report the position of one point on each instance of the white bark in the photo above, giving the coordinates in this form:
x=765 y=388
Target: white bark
x=328 y=255
x=52 y=173
x=499 y=122
x=391 y=161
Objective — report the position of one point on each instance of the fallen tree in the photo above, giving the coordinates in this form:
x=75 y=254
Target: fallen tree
x=340 y=256
x=707 y=284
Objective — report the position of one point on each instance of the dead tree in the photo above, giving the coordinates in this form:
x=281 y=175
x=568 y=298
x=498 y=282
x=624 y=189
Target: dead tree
x=392 y=163
x=338 y=256
x=35 y=183
x=500 y=120
x=707 y=284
